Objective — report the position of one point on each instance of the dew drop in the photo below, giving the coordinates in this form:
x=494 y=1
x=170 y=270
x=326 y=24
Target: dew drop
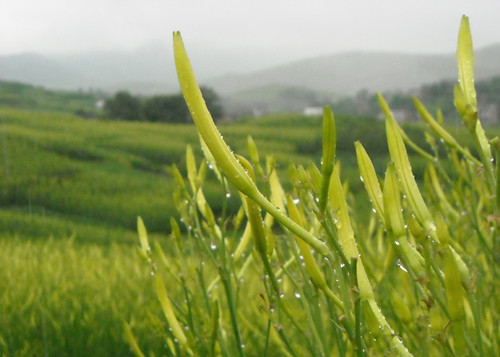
x=361 y=178
x=401 y=266
x=297 y=295
x=396 y=242
x=296 y=201
x=228 y=194
x=213 y=246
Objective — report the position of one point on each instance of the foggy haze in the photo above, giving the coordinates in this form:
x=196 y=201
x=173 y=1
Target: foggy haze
x=226 y=36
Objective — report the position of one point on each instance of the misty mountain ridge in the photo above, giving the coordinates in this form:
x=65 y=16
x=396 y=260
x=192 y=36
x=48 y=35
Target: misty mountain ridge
x=33 y=68
x=345 y=74
x=151 y=71
x=147 y=70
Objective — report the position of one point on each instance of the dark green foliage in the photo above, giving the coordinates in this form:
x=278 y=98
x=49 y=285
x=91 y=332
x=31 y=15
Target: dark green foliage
x=123 y=106
x=166 y=109
x=160 y=108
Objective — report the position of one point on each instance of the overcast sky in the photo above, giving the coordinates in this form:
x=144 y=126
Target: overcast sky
x=278 y=29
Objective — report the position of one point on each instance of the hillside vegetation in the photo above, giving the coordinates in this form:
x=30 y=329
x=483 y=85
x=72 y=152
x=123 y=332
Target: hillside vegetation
x=70 y=193
x=61 y=174
x=19 y=95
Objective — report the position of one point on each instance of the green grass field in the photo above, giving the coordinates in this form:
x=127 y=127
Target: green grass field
x=62 y=175
x=25 y=96
x=70 y=193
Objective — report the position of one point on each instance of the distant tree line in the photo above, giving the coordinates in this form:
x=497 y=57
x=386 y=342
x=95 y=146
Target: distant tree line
x=435 y=96
x=160 y=108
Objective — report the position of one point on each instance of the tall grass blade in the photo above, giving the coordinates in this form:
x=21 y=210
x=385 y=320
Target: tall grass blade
x=130 y=338
x=169 y=313
x=328 y=159
x=370 y=180
x=401 y=162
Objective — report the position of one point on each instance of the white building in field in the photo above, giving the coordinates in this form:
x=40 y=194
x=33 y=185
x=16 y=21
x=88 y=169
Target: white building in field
x=313 y=111
x=100 y=104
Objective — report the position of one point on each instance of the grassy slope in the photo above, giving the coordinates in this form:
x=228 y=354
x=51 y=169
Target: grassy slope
x=99 y=172
x=20 y=95
x=62 y=175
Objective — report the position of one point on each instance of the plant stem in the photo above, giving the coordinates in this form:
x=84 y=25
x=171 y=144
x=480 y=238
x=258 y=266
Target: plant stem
x=360 y=350
x=232 y=308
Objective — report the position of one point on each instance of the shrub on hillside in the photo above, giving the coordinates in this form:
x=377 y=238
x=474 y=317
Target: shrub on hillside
x=123 y=106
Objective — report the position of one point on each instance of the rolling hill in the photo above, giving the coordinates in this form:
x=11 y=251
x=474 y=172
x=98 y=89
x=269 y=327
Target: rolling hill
x=151 y=70
x=347 y=73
